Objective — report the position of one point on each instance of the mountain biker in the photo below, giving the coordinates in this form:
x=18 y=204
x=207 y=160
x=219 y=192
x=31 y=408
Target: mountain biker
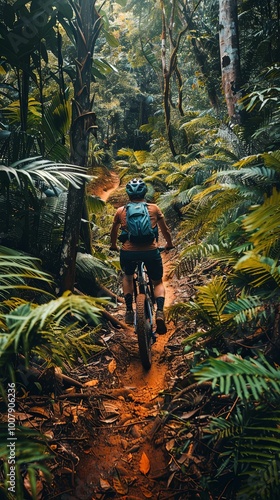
x=147 y=253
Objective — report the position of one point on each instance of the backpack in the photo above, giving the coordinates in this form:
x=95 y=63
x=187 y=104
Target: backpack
x=139 y=228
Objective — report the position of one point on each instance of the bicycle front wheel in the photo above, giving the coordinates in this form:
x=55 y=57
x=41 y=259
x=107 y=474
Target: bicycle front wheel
x=143 y=330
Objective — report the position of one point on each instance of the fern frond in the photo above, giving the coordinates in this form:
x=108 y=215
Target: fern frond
x=210 y=334
x=263 y=224
x=247 y=160
x=244 y=309
x=30 y=326
x=212 y=298
x=262 y=479
x=91 y=267
x=254 y=176
x=126 y=152
x=251 y=447
x=249 y=378
x=192 y=255
x=272 y=160
x=262 y=270
x=141 y=156
x=178 y=312
x=157 y=175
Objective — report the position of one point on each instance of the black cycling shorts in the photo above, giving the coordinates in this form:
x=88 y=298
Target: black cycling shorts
x=151 y=258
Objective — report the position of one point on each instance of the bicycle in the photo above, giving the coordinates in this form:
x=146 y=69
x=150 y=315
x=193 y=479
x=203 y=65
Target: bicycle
x=143 y=317
x=144 y=299
x=144 y=312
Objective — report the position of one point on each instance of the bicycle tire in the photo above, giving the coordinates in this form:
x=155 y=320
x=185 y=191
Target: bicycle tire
x=143 y=331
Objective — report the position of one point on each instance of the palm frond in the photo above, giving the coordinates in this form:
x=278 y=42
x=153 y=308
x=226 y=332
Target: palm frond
x=32 y=326
x=212 y=298
x=263 y=224
x=251 y=448
x=94 y=204
x=247 y=160
x=141 y=156
x=251 y=379
x=261 y=270
x=179 y=312
x=126 y=152
x=55 y=126
x=190 y=258
x=272 y=160
x=244 y=309
x=45 y=170
x=254 y=176
x=19 y=271
x=92 y=267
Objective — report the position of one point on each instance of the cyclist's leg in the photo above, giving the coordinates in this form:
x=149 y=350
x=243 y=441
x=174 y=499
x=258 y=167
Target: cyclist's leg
x=128 y=268
x=128 y=297
x=159 y=292
x=155 y=270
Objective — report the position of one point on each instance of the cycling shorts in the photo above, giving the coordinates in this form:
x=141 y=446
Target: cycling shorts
x=151 y=258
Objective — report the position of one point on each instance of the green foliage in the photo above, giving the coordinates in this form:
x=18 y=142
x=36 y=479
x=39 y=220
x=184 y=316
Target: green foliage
x=12 y=113
x=248 y=379
x=34 y=221
x=52 y=332
x=28 y=326
x=17 y=269
x=95 y=267
x=262 y=224
x=245 y=309
x=48 y=328
x=248 y=438
x=31 y=169
x=31 y=455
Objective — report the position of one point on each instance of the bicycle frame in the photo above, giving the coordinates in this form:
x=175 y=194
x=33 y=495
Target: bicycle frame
x=142 y=282
x=143 y=322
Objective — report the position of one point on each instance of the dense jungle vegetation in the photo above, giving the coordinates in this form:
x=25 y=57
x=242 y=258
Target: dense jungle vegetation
x=185 y=94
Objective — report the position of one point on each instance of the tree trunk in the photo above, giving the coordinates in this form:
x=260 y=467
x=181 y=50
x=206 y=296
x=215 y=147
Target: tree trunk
x=166 y=82
x=88 y=24
x=229 y=54
x=202 y=56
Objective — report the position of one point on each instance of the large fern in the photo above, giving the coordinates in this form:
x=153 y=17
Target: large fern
x=247 y=378
x=263 y=224
x=248 y=437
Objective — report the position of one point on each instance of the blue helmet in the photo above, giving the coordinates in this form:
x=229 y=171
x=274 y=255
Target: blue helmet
x=136 y=188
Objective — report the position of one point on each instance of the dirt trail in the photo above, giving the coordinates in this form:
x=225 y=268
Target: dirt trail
x=127 y=457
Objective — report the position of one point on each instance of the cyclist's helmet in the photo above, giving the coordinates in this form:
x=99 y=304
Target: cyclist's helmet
x=136 y=188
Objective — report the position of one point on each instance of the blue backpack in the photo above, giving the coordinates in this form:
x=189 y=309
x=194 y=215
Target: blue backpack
x=139 y=228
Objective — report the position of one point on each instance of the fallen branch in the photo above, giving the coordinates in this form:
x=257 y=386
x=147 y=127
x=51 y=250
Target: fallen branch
x=107 y=315
x=113 y=320
x=38 y=374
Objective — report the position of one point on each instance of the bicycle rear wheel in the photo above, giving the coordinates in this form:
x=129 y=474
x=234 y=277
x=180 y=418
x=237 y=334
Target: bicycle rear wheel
x=143 y=330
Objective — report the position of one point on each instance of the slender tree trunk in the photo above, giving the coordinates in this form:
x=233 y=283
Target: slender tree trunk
x=88 y=24
x=201 y=57
x=229 y=54
x=166 y=73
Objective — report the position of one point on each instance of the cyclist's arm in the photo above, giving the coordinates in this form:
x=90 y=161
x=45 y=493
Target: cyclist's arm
x=165 y=232
x=114 y=235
